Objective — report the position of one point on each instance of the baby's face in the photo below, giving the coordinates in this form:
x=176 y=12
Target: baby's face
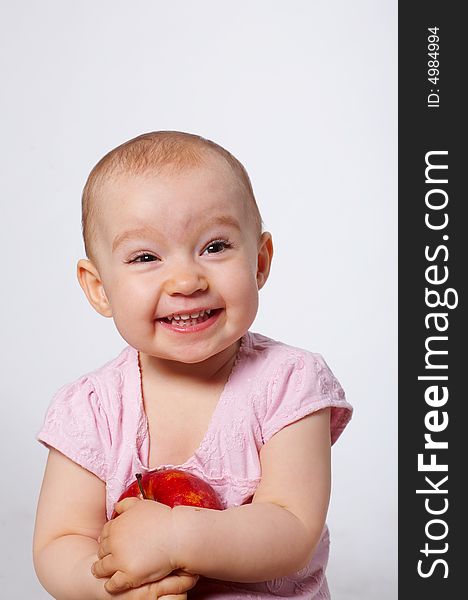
x=173 y=245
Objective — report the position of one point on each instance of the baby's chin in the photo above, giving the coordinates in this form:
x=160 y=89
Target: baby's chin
x=195 y=358
x=183 y=357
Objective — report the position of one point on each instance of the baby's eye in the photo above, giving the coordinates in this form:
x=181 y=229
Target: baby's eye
x=144 y=258
x=217 y=246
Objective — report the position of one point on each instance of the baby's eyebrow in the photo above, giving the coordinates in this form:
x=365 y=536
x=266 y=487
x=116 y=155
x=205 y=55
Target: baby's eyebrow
x=147 y=230
x=130 y=234
x=228 y=220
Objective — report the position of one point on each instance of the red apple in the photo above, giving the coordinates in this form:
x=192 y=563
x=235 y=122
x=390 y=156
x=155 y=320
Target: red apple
x=173 y=487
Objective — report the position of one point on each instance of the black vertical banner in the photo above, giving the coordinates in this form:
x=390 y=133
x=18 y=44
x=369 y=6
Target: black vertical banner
x=433 y=268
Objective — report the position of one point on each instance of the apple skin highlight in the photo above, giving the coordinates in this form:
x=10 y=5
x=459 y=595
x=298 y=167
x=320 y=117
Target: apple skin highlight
x=173 y=487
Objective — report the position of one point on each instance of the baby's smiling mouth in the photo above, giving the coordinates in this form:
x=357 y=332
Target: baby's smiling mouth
x=190 y=319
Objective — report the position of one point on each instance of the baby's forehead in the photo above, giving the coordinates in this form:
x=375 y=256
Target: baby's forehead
x=212 y=173
x=201 y=190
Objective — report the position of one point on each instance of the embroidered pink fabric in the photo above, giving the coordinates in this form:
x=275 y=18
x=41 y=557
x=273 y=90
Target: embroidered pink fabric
x=99 y=422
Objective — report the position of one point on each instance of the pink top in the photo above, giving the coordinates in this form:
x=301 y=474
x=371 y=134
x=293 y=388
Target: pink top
x=99 y=422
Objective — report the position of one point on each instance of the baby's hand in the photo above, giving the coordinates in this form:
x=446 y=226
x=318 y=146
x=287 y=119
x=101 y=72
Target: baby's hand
x=137 y=547
x=161 y=590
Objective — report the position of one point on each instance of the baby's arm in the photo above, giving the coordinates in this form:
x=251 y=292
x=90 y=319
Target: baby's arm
x=277 y=534
x=273 y=536
x=69 y=520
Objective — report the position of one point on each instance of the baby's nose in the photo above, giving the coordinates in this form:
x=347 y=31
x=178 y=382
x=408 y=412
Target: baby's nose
x=186 y=280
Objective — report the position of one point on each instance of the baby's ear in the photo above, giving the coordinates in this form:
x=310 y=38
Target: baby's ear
x=265 y=255
x=91 y=284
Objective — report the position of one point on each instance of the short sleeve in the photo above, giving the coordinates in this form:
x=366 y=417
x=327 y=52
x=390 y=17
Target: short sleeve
x=75 y=424
x=302 y=385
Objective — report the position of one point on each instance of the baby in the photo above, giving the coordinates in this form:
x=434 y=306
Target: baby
x=176 y=257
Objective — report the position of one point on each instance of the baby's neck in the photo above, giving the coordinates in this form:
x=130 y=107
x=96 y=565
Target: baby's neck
x=215 y=368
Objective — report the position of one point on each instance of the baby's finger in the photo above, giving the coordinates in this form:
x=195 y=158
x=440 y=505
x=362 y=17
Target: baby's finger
x=103 y=567
x=126 y=504
x=104 y=548
x=147 y=592
x=163 y=589
x=175 y=585
x=119 y=582
x=105 y=531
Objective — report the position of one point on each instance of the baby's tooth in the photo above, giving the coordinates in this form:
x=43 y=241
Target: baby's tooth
x=174 y=319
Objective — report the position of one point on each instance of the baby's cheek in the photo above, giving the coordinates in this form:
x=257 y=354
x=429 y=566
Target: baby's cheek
x=246 y=294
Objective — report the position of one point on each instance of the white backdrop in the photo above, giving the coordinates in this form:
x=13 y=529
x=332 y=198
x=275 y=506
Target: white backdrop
x=304 y=94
